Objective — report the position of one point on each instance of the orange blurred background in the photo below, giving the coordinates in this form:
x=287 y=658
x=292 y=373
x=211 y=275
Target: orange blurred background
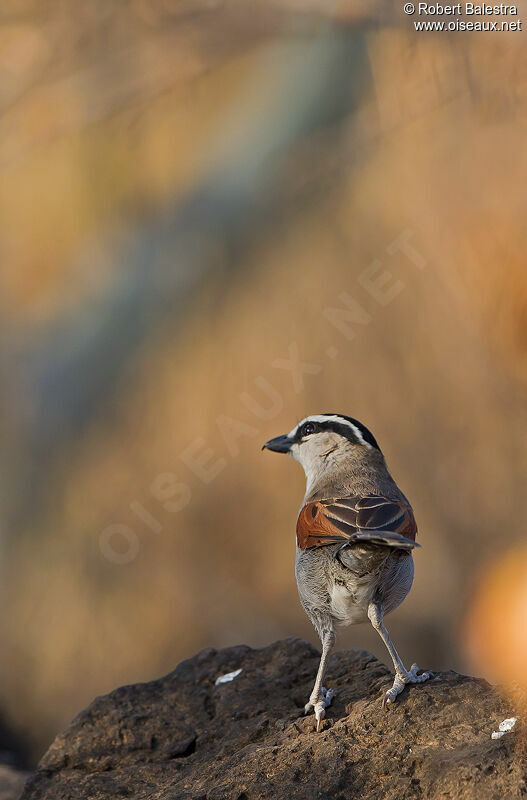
x=217 y=218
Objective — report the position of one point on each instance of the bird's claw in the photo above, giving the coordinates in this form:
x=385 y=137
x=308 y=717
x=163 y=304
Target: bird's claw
x=388 y=699
x=319 y=715
x=320 y=705
x=400 y=682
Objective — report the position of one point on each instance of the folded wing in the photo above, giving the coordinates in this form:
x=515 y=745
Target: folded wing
x=345 y=521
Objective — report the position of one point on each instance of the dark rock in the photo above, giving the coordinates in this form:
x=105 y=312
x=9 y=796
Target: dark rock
x=11 y=782
x=14 y=763
x=184 y=738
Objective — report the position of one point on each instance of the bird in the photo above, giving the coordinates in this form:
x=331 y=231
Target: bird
x=355 y=535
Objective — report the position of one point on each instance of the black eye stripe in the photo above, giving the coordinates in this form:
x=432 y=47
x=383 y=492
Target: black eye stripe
x=366 y=434
x=341 y=428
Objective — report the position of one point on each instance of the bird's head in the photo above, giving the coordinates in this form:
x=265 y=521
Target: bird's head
x=326 y=441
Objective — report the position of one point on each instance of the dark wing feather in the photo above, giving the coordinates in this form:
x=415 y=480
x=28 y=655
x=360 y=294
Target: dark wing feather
x=374 y=519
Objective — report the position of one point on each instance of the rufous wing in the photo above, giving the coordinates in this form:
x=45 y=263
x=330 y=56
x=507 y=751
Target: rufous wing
x=372 y=518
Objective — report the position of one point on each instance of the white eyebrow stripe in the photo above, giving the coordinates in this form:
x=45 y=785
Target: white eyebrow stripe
x=336 y=418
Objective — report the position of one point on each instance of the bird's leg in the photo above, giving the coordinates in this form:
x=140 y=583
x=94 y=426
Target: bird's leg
x=402 y=676
x=320 y=697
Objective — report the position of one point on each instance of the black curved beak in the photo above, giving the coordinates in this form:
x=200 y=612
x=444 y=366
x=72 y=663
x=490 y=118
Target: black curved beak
x=280 y=444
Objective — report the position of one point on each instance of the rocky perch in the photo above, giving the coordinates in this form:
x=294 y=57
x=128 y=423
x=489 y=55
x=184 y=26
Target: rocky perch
x=188 y=736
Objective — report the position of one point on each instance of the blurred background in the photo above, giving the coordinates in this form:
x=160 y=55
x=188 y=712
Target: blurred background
x=217 y=218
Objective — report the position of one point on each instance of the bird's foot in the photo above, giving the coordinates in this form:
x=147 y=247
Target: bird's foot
x=401 y=679
x=319 y=704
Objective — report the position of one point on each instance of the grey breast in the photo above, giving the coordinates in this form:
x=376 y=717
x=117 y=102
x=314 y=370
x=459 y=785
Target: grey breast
x=344 y=586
